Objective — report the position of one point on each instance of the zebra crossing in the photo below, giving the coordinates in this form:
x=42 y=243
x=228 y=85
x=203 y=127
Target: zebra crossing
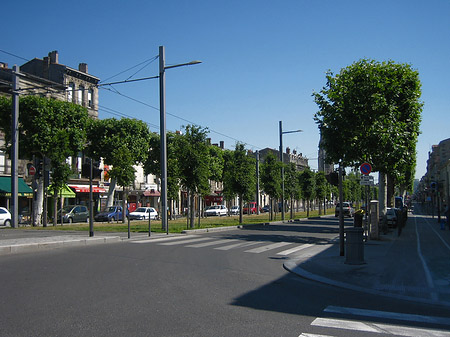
x=364 y=327
x=252 y=247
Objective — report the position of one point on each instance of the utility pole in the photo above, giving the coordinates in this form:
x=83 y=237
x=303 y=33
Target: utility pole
x=257 y=182
x=15 y=149
x=341 y=213
x=282 y=171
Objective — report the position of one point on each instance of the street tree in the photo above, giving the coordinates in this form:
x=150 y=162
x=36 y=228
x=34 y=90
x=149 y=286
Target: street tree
x=271 y=179
x=122 y=143
x=239 y=176
x=50 y=129
x=320 y=190
x=370 y=112
x=194 y=164
x=152 y=164
x=307 y=185
x=291 y=185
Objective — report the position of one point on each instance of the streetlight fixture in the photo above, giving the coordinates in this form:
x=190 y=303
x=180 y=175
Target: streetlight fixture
x=282 y=166
x=162 y=126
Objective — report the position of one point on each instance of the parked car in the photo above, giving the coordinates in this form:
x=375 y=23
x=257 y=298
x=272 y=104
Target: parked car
x=5 y=217
x=250 y=208
x=347 y=209
x=74 y=213
x=391 y=216
x=235 y=210
x=143 y=213
x=266 y=208
x=218 y=210
x=111 y=213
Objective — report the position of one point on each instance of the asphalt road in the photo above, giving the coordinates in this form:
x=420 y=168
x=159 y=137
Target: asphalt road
x=216 y=284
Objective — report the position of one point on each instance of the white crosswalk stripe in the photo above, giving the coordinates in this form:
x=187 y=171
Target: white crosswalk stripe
x=211 y=243
x=379 y=328
x=167 y=238
x=196 y=241
x=396 y=330
x=295 y=249
x=268 y=247
x=238 y=245
x=182 y=242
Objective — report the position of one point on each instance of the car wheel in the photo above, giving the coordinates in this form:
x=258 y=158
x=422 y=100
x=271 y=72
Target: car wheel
x=7 y=223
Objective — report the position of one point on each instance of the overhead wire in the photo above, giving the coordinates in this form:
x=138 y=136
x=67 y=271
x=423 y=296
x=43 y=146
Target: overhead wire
x=150 y=60
x=114 y=90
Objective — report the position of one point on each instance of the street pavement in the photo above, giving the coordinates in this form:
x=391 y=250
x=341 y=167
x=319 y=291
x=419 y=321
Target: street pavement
x=414 y=265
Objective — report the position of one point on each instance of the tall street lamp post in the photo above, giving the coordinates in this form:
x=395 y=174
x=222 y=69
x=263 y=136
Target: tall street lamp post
x=282 y=165
x=162 y=126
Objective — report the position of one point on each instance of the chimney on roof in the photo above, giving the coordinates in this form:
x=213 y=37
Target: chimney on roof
x=294 y=151
x=54 y=57
x=83 y=67
x=288 y=150
x=222 y=144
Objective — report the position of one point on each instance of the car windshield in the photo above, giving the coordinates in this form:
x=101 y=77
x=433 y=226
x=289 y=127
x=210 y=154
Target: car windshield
x=235 y=207
x=67 y=209
x=111 y=209
x=215 y=207
x=141 y=210
x=390 y=211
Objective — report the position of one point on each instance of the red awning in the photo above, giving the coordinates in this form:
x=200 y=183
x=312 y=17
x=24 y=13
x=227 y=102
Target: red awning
x=151 y=193
x=85 y=189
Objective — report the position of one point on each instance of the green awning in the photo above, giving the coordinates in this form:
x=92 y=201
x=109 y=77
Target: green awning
x=66 y=192
x=23 y=189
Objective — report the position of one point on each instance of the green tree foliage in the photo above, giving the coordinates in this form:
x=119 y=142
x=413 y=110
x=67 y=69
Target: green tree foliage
x=307 y=185
x=47 y=128
x=239 y=175
x=291 y=185
x=271 y=178
x=320 y=188
x=121 y=143
x=370 y=111
x=194 y=164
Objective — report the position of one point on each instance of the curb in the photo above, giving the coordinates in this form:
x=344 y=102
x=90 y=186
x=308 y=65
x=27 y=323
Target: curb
x=46 y=245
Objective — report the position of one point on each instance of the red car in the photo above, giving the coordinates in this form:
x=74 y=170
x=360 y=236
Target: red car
x=252 y=206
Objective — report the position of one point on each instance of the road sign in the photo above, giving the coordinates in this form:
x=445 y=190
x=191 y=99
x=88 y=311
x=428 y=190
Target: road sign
x=367 y=181
x=365 y=168
x=31 y=170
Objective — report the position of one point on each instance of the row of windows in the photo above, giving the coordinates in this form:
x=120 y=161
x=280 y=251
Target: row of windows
x=80 y=94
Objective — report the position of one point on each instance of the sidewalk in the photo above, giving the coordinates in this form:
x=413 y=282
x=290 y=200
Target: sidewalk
x=394 y=266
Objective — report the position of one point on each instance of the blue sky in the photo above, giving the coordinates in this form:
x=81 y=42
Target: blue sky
x=262 y=60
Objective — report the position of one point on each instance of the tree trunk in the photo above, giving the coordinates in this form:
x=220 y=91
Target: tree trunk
x=241 y=208
x=38 y=203
x=382 y=193
x=191 y=210
x=110 y=195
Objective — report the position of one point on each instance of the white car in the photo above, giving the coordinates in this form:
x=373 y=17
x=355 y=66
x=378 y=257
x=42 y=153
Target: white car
x=143 y=213
x=218 y=210
x=5 y=217
x=235 y=210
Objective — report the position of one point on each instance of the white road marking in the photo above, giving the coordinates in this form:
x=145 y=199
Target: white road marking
x=434 y=295
x=313 y=335
x=389 y=315
x=343 y=324
x=182 y=242
x=268 y=247
x=397 y=330
x=212 y=243
x=238 y=245
x=168 y=238
x=295 y=249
